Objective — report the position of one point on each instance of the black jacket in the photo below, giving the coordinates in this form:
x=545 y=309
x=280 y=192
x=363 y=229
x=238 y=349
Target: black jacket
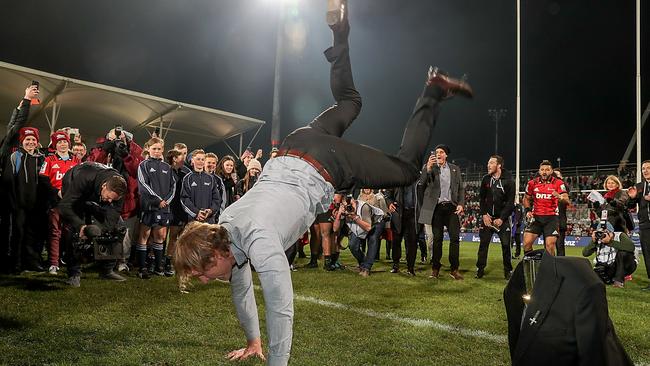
x=497 y=199
x=156 y=182
x=16 y=122
x=176 y=207
x=396 y=195
x=566 y=322
x=643 y=213
x=22 y=185
x=200 y=191
x=82 y=184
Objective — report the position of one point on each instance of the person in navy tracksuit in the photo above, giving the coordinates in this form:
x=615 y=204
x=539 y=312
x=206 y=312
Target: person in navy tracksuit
x=200 y=195
x=157 y=187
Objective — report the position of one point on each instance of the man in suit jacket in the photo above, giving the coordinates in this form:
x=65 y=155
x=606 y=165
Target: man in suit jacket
x=640 y=195
x=566 y=321
x=442 y=204
x=403 y=204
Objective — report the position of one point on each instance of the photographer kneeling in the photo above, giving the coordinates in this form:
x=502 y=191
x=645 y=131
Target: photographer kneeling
x=90 y=206
x=360 y=218
x=614 y=255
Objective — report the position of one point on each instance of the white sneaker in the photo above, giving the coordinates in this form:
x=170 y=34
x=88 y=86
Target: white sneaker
x=53 y=270
x=122 y=267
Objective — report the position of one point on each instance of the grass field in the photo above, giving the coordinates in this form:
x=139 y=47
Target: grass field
x=340 y=319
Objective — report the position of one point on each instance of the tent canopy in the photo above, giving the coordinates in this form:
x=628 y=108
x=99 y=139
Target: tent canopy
x=95 y=108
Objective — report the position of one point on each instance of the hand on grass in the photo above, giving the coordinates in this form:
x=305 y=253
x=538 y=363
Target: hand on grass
x=253 y=349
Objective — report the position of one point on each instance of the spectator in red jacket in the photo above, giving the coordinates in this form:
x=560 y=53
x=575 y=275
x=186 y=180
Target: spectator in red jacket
x=124 y=155
x=54 y=168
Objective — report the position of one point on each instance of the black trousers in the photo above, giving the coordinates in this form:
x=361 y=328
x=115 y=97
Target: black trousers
x=409 y=235
x=360 y=165
x=645 y=248
x=559 y=244
x=485 y=235
x=444 y=216
x=624 y=265
x=24 y=240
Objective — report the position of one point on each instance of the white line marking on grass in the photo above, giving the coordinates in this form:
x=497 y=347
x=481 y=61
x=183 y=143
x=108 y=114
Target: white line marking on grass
x=412 y=321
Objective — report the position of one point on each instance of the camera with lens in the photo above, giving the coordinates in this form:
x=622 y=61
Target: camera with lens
x=349 y=208
x=602 y=270
x=601 y=232
x=100 y=244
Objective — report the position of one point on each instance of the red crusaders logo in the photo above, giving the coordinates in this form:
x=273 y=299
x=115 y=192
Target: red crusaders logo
x=543 y=196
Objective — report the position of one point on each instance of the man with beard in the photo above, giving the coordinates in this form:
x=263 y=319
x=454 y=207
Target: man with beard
x=543 y=194
x=497 y=199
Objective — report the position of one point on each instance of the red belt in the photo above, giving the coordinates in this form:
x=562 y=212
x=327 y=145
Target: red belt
x=310 y=160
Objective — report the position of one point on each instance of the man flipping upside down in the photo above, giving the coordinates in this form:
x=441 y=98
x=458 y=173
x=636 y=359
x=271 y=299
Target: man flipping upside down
x=299 y=183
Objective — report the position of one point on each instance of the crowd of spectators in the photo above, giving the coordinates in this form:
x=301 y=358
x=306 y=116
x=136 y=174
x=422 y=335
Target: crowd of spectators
x=33 y=168
x=144 y=205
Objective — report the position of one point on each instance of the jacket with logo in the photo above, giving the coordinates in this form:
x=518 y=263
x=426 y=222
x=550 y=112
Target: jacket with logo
x=200 y=191
x=156 y=183
x=55 y=168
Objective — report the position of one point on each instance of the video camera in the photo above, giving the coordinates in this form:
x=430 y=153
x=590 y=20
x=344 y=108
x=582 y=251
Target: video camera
x=102 y=241
x=99 y=244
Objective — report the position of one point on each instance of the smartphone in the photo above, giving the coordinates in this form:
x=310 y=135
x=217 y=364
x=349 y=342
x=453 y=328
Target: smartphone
x=36 y=101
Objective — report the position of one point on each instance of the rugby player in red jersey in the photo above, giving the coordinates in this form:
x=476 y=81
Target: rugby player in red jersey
x=543 y=193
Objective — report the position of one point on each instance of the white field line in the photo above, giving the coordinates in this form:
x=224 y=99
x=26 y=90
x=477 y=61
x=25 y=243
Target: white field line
x=425 y=323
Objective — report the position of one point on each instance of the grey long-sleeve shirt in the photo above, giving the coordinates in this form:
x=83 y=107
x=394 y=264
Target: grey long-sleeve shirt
x=262 y=224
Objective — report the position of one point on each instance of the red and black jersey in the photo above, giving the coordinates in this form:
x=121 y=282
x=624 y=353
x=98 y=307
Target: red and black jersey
x=544 y=203
x=55 y=168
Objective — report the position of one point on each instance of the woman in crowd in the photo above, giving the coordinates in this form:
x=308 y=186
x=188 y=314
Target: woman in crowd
x=253 y=171
x=616 y=205
x=225 y=170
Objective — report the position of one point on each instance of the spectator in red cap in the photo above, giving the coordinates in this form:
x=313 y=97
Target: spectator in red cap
x=54 y=168
x=24 y=192
x=9 y=142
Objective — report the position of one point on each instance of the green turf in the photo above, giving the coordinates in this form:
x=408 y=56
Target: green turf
x=43 y=322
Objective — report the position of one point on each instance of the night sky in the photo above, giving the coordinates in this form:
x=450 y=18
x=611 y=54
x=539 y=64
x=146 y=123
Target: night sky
x=578 y=65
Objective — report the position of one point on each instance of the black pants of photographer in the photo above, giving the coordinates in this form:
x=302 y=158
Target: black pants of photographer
x=623 y=265
x=410 y=240
x=445 y=215
x=485 y=235
x=73 y=258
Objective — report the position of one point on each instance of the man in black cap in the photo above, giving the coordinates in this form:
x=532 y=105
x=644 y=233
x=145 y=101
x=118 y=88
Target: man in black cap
x=442 y=204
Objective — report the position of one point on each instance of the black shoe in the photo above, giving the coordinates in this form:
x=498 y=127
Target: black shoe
x=159 y=271
x=480 y=273
x=410 y=272
x=329 y=265
x=395 y=269
x=312 y=264
x=143 y=273
x=169 y=268
x=450 y=85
